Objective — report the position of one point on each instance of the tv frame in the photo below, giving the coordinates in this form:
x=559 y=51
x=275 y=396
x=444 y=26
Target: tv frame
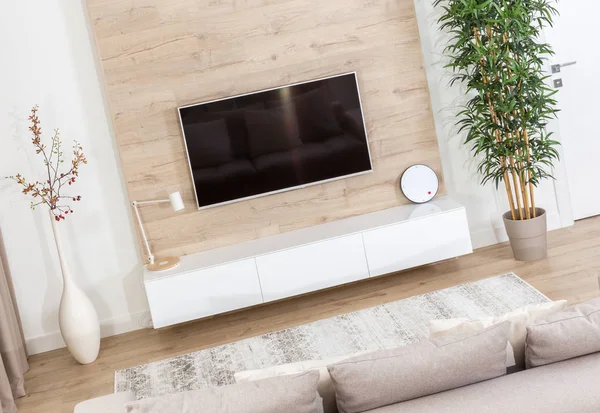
x=291 y=188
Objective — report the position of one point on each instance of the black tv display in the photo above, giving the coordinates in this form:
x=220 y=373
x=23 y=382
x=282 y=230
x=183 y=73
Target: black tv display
x=275 y=140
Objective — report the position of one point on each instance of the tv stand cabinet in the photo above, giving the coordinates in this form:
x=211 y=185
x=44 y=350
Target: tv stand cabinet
x=284 y=265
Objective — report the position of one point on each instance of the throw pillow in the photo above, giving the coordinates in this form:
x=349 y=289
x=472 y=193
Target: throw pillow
x=325 y=387
x=294 y=394
x=571 y=333
x=208 y=144
x=271 y=130
x=464 y=328
x=520 y=319
x=392 y=376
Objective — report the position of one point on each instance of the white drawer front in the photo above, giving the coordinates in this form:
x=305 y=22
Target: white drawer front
x=312 y=267
x=203 y=293
x=418 y=242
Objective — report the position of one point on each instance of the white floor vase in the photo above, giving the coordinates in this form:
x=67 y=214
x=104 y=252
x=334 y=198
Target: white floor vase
x=77 y=316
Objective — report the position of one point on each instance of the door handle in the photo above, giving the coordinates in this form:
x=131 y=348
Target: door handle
x=556 y=68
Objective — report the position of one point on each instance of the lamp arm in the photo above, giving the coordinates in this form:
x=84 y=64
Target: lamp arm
x=158 y=201
x=137 y=214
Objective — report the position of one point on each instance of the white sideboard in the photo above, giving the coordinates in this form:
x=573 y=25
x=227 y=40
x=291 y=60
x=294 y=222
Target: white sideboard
x=284 y=265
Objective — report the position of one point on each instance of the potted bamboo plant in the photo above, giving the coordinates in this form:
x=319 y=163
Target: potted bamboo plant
x=495 y=52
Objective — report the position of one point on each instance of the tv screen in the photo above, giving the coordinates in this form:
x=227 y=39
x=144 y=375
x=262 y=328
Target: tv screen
x=275 y=140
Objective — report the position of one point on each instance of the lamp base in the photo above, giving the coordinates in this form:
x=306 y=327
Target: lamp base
x=163 y=264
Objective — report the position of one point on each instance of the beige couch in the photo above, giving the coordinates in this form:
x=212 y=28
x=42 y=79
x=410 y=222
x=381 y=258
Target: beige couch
x=457 y=374
x=571 y=386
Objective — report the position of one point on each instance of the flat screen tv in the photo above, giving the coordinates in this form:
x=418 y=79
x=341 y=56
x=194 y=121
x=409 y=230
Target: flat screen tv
x=275 y=140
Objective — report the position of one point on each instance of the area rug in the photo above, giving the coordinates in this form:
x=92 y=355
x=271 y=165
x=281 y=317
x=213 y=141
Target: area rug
x=386 y=326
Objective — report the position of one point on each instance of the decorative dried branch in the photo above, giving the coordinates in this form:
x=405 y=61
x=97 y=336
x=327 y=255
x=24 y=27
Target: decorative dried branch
x=51 y=192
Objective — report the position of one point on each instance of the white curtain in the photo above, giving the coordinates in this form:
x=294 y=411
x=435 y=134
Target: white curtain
x=13 y=358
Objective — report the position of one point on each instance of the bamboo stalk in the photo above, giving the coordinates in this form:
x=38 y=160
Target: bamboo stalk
x=533 y=210
x=522 y=184
x=506 y=125
x=521 y=169
x=529 y=187
x=509 y=190
x=524 y=194
x=521 y=173
x=516 y=182
x=531 y=192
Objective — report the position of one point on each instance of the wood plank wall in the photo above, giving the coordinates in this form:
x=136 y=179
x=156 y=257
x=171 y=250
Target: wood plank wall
x=158 y=55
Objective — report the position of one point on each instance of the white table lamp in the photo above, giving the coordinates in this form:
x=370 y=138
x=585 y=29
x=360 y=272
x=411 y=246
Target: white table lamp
x=166 y=263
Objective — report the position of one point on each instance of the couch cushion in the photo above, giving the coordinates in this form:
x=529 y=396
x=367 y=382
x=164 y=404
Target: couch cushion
x=520 y=319
x=570 y=333
x=111 y=403
x=325 y=387
x=568 y=387
x=431 y=366
x=293 y=394
x=470 y=328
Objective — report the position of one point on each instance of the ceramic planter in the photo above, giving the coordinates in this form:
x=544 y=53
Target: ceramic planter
x=528 y=238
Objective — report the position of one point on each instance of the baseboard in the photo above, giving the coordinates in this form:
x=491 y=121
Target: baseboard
x=497 y=234
x=110 y=327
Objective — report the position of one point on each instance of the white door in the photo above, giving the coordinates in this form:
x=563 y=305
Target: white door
x=574 y=39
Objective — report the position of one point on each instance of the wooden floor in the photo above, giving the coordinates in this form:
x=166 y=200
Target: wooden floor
x=56 y=382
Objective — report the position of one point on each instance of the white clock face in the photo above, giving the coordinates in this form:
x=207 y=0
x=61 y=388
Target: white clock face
x=419 y=184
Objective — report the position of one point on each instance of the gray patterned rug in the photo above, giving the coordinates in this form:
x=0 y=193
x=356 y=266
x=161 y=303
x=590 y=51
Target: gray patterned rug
x=385 y=326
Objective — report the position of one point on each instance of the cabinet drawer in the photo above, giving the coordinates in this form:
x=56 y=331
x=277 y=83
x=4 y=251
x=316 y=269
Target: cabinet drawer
x=418 y=242
x=312 y=267
x=203 y=293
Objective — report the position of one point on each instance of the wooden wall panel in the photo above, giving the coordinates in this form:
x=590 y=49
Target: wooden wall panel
x=158 y=55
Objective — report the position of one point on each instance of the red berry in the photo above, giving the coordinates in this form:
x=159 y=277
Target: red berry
x=74 y=199
x=66 y=212
x=57 y=218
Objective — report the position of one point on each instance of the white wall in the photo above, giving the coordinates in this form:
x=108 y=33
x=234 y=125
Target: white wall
x=485 y=205
x=47 y=58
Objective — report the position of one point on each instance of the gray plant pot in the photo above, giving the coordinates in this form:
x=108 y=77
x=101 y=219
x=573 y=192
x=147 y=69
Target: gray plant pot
x=528 y=238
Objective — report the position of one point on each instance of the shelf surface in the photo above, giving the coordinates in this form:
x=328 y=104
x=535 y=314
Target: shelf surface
x=305 y=236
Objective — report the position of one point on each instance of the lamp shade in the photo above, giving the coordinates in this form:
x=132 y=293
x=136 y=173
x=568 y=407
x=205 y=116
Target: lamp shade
x=176 y=201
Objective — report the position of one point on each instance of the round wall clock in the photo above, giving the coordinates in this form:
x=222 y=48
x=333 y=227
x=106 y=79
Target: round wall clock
x=419 y=184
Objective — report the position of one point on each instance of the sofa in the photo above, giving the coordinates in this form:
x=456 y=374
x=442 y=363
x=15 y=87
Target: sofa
x=571 y=386
x=448 y=374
